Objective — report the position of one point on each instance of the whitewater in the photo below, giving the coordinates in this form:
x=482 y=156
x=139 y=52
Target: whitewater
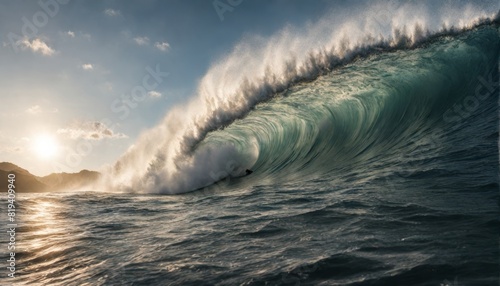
x=373 y=141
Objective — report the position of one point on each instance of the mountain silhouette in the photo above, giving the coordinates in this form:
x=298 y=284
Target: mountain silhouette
x=56 y=182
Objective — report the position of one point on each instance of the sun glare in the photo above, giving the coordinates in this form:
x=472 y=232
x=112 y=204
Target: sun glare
x=45 y=146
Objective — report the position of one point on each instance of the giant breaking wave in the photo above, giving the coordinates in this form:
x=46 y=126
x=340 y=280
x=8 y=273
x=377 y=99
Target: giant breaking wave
x=308 y=103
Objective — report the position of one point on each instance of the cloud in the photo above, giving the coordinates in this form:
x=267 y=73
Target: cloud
x=154 y=94
x=142 y=41
x=11 y=144
x=37 y=46
x=164 y=46
x=87 y=36
x=76 y=34
x=91 y=130
x=10 y=149
x=36 y=109
x=87 y=67
x=112 y=13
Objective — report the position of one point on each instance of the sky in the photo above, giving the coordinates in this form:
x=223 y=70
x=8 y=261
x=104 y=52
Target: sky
x=81 y=80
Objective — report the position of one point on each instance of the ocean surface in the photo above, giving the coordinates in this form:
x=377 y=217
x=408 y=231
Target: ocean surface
x=382 y=170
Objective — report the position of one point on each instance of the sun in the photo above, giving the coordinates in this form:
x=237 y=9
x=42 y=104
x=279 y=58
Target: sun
x=45 y=146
